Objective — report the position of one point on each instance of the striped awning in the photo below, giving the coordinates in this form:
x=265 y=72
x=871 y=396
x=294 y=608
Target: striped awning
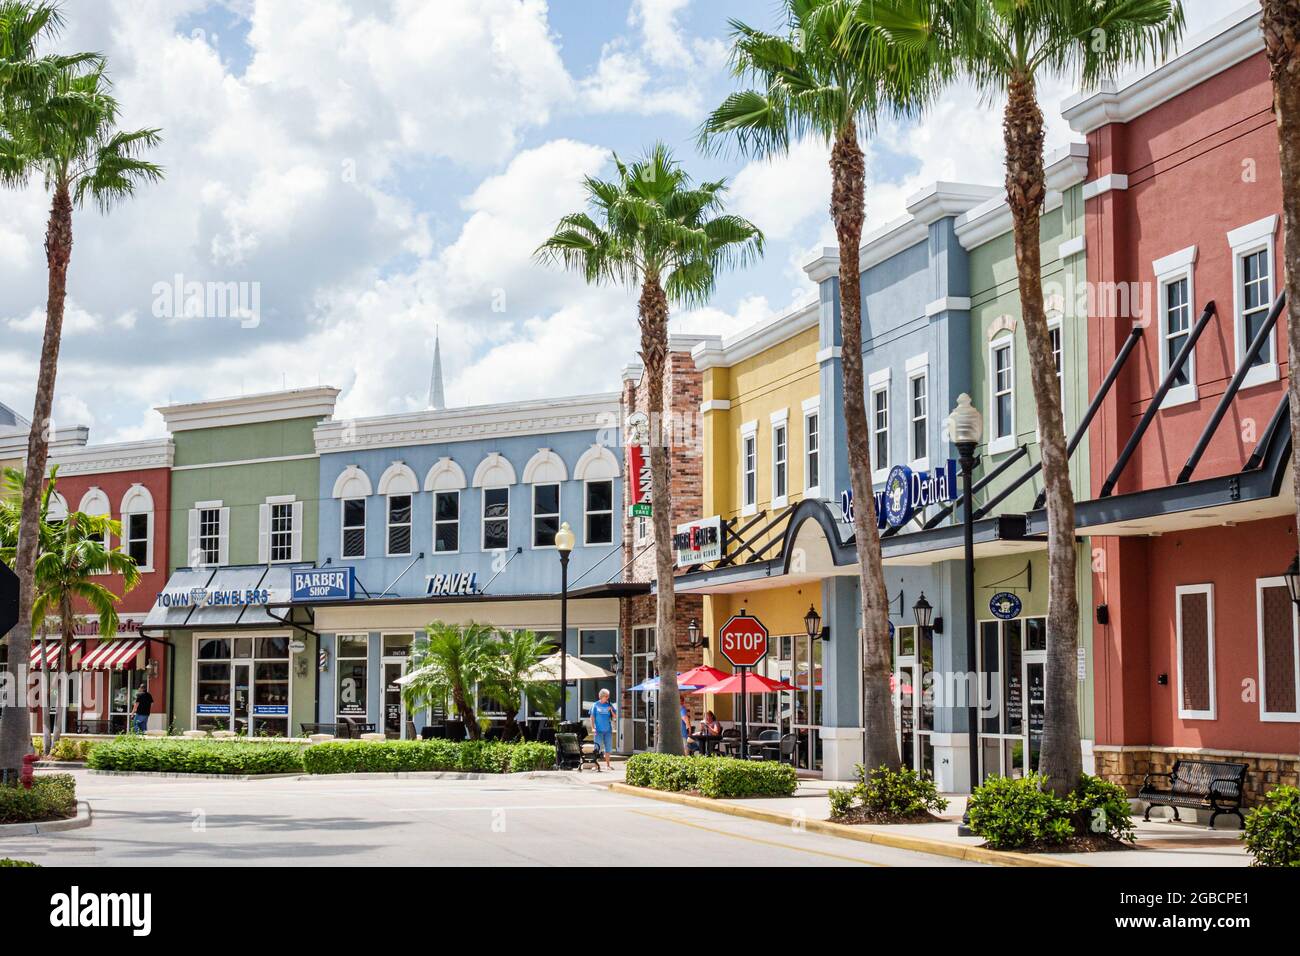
x=115 y=655
x=52 y=650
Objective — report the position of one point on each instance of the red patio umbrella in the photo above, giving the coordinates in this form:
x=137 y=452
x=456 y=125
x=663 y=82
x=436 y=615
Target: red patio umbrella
x=702 y=675
x=754 y=684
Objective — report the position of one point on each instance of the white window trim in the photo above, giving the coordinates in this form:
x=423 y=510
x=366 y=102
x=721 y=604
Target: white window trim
x=780 y=419
x=1208 y=591
x=587 y=513
x=484 y=519
x=223 y=530
x=1276 y=716
x=1247 y=240
x=1004 y=443
x=433 y=543
x=343 y=505
x=878 y=382
x=812 y=482
x=1058 y=326
x=748 y=432
x=147 y=567
x=388 y=525
x=532 y=522
x=264 y=531
x=1168 y=270
x=138 y=501
x=918 y=366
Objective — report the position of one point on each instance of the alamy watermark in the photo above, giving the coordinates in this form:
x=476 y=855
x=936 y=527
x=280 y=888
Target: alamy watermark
x=183 y=298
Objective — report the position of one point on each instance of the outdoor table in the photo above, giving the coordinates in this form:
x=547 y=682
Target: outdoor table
x=708 y=742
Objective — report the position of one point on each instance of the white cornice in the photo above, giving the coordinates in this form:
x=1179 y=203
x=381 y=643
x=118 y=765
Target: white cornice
x=1225 y=44
x=1104 y=184
x=122 y=456
x=633 y=371
x=825 y=266
x=951 y=303
x=1064 y=167
x=13 y=444
x=315 y=402
x=713 y=352
x=576 y=413
x=941 y=199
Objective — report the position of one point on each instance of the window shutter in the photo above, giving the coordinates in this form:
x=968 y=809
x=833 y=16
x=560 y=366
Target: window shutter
x=194 y=557
x=263 y=533
x=296 y=554
x=223 y=549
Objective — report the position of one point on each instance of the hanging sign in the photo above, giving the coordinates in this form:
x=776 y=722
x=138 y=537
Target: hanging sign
x=324 y=584
x=641 y=480
x=906 y=492
x=1005 y=606
x=698 y=542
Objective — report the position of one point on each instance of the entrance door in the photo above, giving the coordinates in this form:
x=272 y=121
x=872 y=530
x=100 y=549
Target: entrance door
x=241 y=684
x=394 y=709
x=913 y=700
x=1036 y=687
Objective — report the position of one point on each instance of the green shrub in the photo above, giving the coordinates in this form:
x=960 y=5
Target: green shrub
x=412 y=756
x=69 y=749
x=1011 y=812
x=717 y=777
x=1103 y=807
x=1272 y=832
x=842 y=800
x=8 y=862
x=898 y=793
x=164 y=755
x=52 y=797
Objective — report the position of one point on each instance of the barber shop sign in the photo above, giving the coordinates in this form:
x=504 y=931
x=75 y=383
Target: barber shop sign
x=907 y=492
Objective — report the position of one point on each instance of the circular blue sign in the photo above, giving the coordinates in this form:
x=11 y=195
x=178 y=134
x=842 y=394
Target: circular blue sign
x=896 y=499
x=1005 y=606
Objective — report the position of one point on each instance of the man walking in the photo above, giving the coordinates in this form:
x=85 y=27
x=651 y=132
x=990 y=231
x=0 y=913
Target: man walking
x=602 y=725
x=140 y=712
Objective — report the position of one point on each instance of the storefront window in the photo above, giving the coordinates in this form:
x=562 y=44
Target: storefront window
x=1013 y=667
x=353 y=676
x=598 y=647
x=240 y=685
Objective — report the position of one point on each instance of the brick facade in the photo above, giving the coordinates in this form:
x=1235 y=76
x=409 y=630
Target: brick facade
x=683 y=429
x=1128 y=765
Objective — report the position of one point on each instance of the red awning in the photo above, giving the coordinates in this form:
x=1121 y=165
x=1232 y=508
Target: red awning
x=114 y=655
x=52 y=650
x=753 y=684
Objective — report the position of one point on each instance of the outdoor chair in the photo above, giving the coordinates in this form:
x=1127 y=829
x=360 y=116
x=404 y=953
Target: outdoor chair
x=789 y=743
x=568 y=752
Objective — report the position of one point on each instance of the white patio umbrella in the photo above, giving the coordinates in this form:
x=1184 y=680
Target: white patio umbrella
x=419 y=672
x=575 y=668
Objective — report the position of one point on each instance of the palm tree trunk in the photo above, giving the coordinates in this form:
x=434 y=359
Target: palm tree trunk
x=848 y=210
x=66 y=618
x=1061 y=759
x=652 y=312
x=15 y=740
x=1281 y=25
x=466 y=712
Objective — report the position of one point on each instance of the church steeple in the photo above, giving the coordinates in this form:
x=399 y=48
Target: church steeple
x=437 y=400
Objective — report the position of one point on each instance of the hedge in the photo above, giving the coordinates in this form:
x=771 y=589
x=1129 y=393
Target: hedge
x=1013 y=812
x=52 y=797
x=716 y=777
x=1273 y=829
x=408 y=756
x=166 y=755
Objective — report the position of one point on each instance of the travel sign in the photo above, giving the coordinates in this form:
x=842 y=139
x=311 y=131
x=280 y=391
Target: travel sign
x=907 y=492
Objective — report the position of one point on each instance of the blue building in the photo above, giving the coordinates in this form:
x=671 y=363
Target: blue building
x=451 y=515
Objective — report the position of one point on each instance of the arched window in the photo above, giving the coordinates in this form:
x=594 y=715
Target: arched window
x=137 y=526
x=597 y=469
x=398 y=484
x=446 y=480
x=352 y=487
x=495 y=475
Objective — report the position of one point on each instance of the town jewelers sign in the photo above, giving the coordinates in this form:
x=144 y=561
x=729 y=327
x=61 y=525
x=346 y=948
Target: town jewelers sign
x=906 y=492
x=213 y=597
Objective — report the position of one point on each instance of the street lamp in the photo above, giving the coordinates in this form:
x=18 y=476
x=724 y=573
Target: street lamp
x=1293 y=579
x=564 y=545
x=965 y=426
x=812 y=625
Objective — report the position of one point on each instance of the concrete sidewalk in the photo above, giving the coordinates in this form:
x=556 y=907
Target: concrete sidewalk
x=1161 y=843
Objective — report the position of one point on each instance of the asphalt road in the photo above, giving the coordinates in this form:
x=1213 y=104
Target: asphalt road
x=339 y=822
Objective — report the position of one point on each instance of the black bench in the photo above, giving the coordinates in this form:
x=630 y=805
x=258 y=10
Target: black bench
x=1201 y=784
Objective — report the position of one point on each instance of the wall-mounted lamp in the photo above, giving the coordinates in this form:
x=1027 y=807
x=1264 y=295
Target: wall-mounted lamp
x=1103 y=614
x=1293 y=579
x=923 y=612
x=1162 y=679
x=693 y=635
x=812 y=625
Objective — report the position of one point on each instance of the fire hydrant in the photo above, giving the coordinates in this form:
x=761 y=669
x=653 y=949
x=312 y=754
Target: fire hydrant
x=29 y=765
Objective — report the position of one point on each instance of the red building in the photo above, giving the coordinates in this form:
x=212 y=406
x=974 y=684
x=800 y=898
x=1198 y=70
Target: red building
x=1192 y=518
x=129 y=482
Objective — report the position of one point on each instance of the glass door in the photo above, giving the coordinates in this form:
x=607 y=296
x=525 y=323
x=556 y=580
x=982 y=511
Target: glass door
x=240 y=687
x=394 y=709
x=643 y=704
x=1036 y=687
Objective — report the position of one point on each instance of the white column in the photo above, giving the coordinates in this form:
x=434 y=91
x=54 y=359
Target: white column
x=951 y=762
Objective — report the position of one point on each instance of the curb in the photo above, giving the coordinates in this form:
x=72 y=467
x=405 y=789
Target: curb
x=82 y=819
x=163 y=775
x=375 y=775
x=956 y=851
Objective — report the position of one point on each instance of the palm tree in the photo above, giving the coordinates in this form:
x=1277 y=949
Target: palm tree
x=829 y=76
x=65 y=574
x=509 y=682
x=59 y=122
x=1004 y=48
x=652 y=229
x=451 y=661
x=1281 y=25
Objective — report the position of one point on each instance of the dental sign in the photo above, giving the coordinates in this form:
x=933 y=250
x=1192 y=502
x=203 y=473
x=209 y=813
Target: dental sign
x=906 y=492
x=324 y=584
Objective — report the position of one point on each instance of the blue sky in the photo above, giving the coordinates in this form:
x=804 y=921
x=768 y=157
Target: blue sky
x=376 y=169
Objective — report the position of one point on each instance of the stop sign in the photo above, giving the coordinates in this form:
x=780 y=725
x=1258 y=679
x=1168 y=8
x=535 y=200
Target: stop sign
x=743 y=640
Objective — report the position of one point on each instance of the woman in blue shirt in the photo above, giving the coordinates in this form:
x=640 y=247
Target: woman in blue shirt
x=602 y=725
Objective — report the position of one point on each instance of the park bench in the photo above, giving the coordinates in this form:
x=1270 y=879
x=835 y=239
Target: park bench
x=1199 y=784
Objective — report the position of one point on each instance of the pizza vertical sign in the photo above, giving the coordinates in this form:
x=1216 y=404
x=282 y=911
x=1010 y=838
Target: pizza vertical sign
x=638 y=437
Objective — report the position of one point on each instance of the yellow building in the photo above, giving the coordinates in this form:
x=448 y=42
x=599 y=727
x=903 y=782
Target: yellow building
x=762 y=430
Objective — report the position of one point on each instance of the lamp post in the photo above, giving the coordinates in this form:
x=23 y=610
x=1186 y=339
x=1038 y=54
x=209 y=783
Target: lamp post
x=965 y=426
x=564 y=545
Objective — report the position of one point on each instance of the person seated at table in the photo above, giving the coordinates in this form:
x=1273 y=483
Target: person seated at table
x=711 y=725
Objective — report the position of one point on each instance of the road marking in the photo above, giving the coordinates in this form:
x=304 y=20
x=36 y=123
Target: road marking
x=752 y=839
x=511 y=806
